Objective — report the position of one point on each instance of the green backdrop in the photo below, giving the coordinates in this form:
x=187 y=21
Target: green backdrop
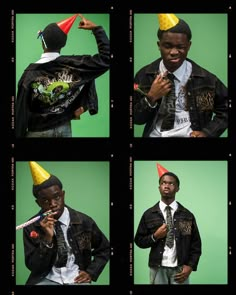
x=209 y=44
x=86 y=186
x=29 y=50
x=203 y=190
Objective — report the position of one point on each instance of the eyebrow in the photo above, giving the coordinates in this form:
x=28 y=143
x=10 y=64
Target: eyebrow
x=52 y=195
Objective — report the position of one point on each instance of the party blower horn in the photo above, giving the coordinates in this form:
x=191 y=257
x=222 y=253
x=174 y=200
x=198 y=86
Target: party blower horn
x=66 y=24
x=161 y=170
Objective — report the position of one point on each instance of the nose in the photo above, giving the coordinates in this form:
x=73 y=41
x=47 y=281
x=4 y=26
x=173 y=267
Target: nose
x=52 y=203
x=166 y=186
x=174 y=51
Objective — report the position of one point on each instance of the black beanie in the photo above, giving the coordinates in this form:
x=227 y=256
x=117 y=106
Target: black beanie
x=54 y=37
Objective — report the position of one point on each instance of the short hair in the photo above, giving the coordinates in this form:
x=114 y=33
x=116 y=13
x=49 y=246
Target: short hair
x=170 y=174
x=181 y=27
x=54 y=37
x=52 y=180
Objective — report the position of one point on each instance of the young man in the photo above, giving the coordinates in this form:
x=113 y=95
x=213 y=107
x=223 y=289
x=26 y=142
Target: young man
x=174 y=96
x=58 y=88
x=171 y=232
x=65 y=246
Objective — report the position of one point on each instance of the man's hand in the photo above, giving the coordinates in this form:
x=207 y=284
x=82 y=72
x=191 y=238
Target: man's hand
x=160 y=232
x=83 y=277
x=78 y=112
x=160 y=87
x=47 y=223
x=184 y=274
x=85 y=23
x=197 y=134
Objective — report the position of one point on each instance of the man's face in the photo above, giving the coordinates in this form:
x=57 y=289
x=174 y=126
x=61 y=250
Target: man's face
x=174 y=49
x=51 y=198
x=168 y=187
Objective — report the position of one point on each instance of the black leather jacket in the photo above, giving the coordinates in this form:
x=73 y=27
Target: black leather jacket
x=187 y=237
x=89 y=245
x=206 y=100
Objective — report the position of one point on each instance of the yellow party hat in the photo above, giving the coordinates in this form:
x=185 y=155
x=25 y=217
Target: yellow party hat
x=167 y=21
x=39 y=175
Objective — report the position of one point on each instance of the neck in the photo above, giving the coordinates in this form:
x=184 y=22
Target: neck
x=168 y=201
x=46 y=50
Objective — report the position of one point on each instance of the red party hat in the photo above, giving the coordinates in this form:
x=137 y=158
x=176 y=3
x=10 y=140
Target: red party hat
x=66 y=24
x=161 y=170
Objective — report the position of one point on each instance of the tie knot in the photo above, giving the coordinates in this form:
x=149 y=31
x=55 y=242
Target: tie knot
x=58 y=225
x=171 y=77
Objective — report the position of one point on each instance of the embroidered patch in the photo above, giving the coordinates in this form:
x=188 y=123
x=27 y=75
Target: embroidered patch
x=185 y=227
x=205 y=101
x=85 y=241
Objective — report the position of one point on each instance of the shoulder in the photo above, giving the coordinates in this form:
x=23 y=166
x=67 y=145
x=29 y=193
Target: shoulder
x=149 y=68
x=78 y=216
x=200 y=70
x=185 y=210
x=152 y=209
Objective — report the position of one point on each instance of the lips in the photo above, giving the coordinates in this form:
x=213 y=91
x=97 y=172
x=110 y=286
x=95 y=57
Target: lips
x=174 y=60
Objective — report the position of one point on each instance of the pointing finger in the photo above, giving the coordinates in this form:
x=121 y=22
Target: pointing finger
x=80 y=15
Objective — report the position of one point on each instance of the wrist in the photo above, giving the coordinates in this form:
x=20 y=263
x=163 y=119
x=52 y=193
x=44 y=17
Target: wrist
x=149 y=102
x=48 y=244
x=153 y=238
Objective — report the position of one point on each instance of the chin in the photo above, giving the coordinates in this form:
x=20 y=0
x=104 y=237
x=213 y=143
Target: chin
x=167 y=196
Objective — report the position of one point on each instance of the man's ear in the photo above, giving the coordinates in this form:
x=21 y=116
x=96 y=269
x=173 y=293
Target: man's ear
x=177 y=189
x=158 y=44
x=189 y=45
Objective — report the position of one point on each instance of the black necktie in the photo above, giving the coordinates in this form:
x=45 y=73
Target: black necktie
x=62 y=248
x=170 y=231
x=169 y=117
